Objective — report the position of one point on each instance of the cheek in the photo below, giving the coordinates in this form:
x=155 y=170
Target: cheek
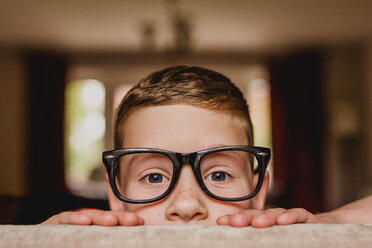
x=153 y=214
x=217 y=209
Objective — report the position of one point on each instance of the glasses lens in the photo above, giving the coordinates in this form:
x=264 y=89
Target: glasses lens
x=229 y=174
x=143 y=176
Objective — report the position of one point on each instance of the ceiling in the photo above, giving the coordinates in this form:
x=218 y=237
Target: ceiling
x=235 y=25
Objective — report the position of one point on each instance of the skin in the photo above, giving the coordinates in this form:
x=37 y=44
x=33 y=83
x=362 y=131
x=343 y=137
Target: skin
x=356 y=212
x=185 y=128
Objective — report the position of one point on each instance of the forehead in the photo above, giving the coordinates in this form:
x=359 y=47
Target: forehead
x=182 y=128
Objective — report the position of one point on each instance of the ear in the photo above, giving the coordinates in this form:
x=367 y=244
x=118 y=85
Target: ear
x=114 y=203
x=260 y=198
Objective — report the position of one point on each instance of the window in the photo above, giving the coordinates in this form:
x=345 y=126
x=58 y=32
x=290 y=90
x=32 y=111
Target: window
x=258 y=95
x=84 y=137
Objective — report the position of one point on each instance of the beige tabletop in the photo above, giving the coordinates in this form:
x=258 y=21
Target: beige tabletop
x=299 y=235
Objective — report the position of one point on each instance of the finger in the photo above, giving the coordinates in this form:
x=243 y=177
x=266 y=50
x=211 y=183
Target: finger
x=100 y=217
x=236 y=220
x=128 y=219
x=69 y=218
x=267 y=218
x=295 y=215
x=240 y=219
x=223 y=220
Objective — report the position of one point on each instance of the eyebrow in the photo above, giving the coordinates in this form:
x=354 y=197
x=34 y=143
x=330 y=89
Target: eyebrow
x=227 y=155
x=201 y=148
x=143 y=156
x=216 y=145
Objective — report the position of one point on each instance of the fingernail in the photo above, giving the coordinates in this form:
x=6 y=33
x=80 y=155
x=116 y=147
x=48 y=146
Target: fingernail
x=82 y=215
x=223 y=220
x=261 y=216
x=127 y=215
x=283 y=217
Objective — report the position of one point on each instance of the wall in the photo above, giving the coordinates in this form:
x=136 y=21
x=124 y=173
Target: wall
x=348 y=139
x=368 y=117
x=12 y=124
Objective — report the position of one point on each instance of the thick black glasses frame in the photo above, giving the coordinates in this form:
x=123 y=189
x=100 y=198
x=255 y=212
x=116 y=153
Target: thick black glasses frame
x=110 y=159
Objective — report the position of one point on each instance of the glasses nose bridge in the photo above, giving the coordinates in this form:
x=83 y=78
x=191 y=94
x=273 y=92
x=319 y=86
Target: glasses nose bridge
x=186 y=158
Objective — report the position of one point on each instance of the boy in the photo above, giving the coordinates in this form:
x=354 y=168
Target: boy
x=183 y=155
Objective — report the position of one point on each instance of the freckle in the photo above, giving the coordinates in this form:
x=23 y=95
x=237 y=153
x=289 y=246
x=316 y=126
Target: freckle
x=187 y=192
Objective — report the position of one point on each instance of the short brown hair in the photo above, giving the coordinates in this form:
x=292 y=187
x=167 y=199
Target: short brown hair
x=195 y=86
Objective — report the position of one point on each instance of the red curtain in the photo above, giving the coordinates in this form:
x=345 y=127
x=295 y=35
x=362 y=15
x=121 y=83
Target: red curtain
x=297 y=116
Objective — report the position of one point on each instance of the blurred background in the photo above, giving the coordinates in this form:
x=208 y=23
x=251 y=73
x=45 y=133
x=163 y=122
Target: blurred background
x=304 y=66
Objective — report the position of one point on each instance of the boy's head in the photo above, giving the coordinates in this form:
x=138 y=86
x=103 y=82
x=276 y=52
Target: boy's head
x=193 y=86
x=183 y=109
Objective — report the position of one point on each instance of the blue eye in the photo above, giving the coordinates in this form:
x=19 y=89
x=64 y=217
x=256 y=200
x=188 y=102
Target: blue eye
x=218 y=176
x=155 y=178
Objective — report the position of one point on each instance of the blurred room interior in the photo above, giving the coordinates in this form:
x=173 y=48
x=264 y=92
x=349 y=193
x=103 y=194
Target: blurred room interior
x=305 y=67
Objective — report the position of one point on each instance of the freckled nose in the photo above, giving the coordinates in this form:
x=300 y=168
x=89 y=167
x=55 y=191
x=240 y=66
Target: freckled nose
x=187 y=203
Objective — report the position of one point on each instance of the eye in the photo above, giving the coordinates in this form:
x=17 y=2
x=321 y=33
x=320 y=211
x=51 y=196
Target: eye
x=154 y=178
x=218 y=176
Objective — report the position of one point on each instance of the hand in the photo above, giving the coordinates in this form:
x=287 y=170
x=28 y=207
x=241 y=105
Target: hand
x=96 y=217
x=267 y=218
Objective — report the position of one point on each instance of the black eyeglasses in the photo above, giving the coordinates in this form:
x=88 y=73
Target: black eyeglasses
x=145 y=175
